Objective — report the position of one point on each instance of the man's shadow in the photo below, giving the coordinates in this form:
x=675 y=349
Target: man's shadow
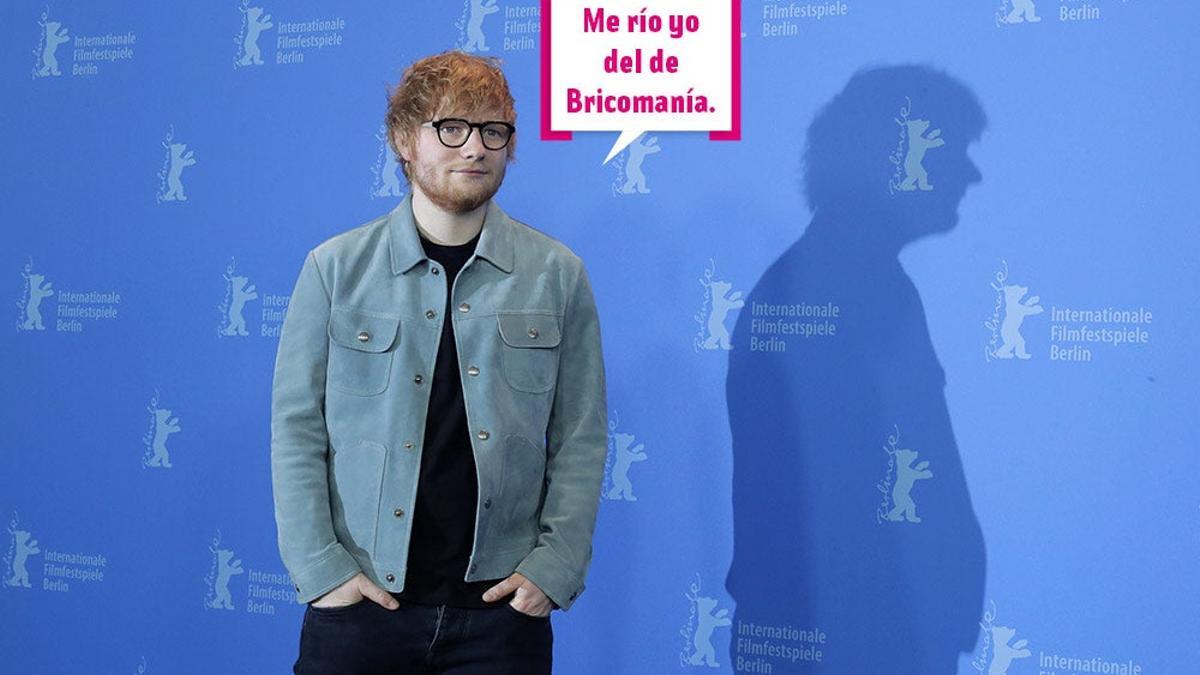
x=851 y=511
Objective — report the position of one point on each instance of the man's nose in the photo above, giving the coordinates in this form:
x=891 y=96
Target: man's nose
x=474 y=145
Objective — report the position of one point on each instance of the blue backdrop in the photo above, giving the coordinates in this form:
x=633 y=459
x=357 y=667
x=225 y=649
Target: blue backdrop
x=899 y=382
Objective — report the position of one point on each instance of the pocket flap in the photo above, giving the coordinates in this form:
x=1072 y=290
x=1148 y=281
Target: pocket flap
x=363 y=330
x=518 y=329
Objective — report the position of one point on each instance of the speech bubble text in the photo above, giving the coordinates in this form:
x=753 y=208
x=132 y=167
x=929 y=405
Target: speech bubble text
x=636 y=65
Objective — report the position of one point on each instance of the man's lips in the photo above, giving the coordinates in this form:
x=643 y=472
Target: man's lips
x=469 y=172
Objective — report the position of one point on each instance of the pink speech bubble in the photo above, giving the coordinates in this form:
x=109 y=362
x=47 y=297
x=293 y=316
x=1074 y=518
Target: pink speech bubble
x=613 y=66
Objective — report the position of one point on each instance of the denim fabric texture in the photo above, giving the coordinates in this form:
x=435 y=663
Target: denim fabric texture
x=351 y=393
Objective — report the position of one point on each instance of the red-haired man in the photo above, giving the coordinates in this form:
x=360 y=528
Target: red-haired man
x=438 y=410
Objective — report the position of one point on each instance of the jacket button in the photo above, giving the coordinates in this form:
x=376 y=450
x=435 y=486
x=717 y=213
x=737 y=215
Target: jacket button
x=390 y=578
x=297 y=589
x=429 y=314
x=436 y=271
x=487 y=503
x=399 y=513
x=417 y=379
x=464 y=308
x=483 y=434
x=408 y=445
x=474 y=567
x=364 y=336
x=533 y=333
x=472 y=371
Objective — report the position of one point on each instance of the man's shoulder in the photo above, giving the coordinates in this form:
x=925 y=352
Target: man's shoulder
x=538 y=245
x=352 y=243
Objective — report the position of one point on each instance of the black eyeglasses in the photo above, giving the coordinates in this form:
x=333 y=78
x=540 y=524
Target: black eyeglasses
x=453 y=133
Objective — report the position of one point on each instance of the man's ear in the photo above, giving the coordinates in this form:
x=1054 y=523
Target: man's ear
x=403 y=148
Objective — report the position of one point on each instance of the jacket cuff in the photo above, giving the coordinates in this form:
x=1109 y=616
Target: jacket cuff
x=548 y=572
x=335 y=567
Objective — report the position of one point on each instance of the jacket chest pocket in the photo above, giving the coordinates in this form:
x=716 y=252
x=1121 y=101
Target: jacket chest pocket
x=361 y=346
x=529 y=353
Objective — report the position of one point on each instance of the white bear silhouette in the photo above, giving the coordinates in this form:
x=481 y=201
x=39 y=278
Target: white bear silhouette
x=1015 y=312
x=635 y=178
x=54 y=38
x=33 y=313
x=706 y=654
x=242 y=293
x=179 y=161
x=915 y=176
x=226 y=569
x=1005 y=653
x=718 y=334
x=25 y=547
x=1023 y=10
x=390 y=186
x=625 y=456
x=906 y=474
x=256 y=23
x=475 y=38
x=164 y=426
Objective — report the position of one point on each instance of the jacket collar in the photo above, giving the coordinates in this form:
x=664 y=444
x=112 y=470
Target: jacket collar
x=495 y=242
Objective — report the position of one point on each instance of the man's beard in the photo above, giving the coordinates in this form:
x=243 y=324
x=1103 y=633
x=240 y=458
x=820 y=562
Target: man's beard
x=456 y=199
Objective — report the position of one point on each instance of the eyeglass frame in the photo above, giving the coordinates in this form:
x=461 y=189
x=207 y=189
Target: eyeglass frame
x=436 y=125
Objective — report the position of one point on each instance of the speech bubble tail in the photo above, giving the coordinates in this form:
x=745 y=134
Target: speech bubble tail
x=627 y=136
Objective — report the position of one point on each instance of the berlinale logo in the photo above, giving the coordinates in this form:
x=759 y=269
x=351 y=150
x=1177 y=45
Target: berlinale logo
x=254 y=22
x=1008 y=314
x=178 y=158
x=713 y=316
x=53 y=35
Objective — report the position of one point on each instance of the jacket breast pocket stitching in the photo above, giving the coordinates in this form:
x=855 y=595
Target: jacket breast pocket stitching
x=529 y=350
x=362 y=346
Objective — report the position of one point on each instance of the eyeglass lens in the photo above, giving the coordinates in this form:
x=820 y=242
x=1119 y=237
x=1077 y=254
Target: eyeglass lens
x=454 y=133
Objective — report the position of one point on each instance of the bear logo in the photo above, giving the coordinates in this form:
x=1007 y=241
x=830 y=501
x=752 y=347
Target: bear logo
x=243 y=292
x=1022 y=10
x=722 y=304
x=387 y=180
x=53 y=38
x=1015 y=312
x=903 y=506
x=181 y=158
x=704 y=653
x=1005 y=653
x=25 y=546
x=476 y=42
x=635 y=178
x=37 y=292
x=256 y=23
x=625 y=456
x=227 y=568
x=164 y=426
x=918 y=143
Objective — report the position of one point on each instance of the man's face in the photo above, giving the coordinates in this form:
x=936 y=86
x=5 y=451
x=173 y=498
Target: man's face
x=457 y=180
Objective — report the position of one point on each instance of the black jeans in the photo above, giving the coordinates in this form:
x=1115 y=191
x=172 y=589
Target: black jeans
x=366 y=639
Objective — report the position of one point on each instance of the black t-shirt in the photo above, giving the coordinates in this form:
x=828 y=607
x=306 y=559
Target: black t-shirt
x=447 y=491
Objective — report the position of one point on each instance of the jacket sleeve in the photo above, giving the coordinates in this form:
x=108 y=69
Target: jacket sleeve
x=308 y=546
x=576 y=448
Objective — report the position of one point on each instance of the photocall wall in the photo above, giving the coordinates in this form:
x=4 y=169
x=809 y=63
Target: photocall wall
x=902 y=381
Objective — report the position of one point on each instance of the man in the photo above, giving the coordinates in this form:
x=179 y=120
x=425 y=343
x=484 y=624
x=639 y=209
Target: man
x=438 y=431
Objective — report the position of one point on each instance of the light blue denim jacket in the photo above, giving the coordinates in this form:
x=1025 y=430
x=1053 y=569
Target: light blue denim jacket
x=351 y=391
